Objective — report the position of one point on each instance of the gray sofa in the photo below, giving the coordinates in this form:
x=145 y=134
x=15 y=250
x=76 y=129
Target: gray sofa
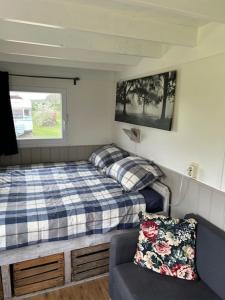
x=128 y=281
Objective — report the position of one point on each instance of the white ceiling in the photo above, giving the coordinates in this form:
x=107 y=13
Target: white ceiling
x=100 y=34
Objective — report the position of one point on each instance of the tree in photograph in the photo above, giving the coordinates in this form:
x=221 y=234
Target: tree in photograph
x=124 y=88
x=154 y=90
x=142 y=90
x=169 y=86
x=147 y=91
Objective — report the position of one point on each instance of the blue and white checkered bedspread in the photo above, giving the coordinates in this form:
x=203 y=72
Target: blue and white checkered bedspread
x=52 y=202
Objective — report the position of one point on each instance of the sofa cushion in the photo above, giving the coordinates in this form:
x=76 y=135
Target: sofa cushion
x=167 y=246
x=131 y=282
x=210 y=251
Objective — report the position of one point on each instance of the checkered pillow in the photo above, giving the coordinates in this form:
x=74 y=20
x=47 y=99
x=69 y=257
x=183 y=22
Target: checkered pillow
x=107 y=155
x=134 y=173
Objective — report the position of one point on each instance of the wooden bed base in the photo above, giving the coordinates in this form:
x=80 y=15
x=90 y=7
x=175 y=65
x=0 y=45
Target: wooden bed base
x=90 y=261
x=37 y=274
x=40 y=267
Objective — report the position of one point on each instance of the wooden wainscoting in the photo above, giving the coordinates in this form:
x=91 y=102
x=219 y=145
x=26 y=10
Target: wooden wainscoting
x=195 y=197
x=48 y=154
x=90 y=261
x=38 y=274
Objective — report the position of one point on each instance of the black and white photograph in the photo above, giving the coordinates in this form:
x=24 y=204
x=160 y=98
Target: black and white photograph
x=147 y=101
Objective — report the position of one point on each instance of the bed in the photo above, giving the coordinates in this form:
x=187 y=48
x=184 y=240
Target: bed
x=57 y=210
x=62 y=201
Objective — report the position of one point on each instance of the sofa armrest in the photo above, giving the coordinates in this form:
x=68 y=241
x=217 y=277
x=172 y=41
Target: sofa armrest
x=123 y=247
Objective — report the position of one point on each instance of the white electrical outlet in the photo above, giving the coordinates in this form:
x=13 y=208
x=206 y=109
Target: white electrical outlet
x=192 y=170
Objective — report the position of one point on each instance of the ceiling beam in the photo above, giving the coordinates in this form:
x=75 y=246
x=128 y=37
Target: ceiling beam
x=66 y=54
x=13 y=58
x=68 y=14
x=70 y=38
x=201 y=9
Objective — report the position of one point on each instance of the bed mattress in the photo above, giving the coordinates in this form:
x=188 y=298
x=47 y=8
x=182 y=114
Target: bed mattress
x=53 y=202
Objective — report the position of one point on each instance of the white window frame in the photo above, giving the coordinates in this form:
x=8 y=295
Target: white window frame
x=30 y=143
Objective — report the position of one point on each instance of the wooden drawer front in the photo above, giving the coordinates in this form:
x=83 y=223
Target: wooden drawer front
x=1 y=287
x=38 y=274
x=90 y=261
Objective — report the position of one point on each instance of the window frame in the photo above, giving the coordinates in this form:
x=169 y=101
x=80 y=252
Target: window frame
x=30 y=143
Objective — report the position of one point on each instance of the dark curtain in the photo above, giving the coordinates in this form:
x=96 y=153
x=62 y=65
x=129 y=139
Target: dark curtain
x=8 y=143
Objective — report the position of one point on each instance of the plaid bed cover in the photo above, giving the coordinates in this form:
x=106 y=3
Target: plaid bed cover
x=52 y=202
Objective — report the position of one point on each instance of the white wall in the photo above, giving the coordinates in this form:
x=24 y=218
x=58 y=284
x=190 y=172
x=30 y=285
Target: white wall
x=89 y=104
x=198 y=133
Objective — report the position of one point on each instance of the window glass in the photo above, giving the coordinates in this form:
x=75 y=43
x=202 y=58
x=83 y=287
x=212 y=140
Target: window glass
x=37 y=115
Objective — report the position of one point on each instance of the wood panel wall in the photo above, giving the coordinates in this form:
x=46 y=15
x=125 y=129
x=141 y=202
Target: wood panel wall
x=195 y=197
x=48 y=154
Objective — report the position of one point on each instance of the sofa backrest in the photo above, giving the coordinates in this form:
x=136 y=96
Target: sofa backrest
x=210 y=254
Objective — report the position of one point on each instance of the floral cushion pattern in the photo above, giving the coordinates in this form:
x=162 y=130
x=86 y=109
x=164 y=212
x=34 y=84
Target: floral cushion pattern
x=134 y=173
x=106 y=155
x=167 y=246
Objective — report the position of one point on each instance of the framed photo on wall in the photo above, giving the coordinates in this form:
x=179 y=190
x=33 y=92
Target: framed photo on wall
x=147 y=101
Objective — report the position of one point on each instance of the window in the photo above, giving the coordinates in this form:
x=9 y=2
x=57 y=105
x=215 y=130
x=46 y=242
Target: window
x=38 y=116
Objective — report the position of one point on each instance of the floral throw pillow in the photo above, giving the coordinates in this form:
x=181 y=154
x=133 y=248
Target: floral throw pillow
x=167 y=246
